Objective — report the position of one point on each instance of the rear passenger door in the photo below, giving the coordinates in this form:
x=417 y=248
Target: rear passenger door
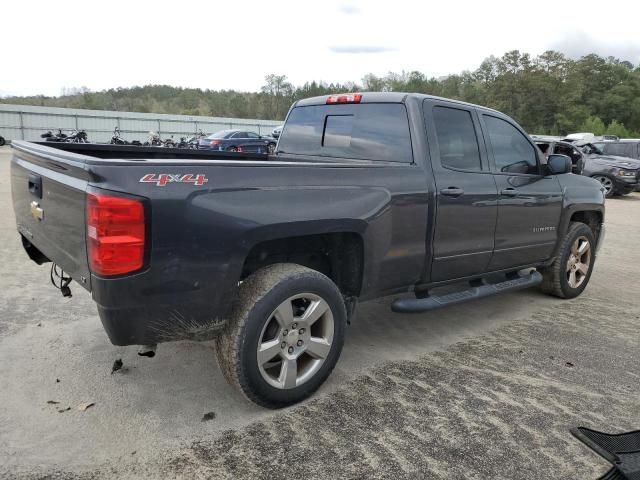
x=529 y=203
x=466 y=194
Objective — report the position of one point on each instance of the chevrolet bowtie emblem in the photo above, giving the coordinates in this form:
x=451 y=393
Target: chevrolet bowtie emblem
x=36 y=211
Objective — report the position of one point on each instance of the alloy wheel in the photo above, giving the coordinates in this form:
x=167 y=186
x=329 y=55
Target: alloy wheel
x=606 y=182
x=579 y=262
x=295 y=341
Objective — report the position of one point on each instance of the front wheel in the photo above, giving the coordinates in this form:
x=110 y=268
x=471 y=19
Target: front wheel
x=607 y=183
x=271 y=148
x=284 y=336
x=569 y=274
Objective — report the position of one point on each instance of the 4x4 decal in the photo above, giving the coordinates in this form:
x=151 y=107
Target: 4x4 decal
x=162 y=179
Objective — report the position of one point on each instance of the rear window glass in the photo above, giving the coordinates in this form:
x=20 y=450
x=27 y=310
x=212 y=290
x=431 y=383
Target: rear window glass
x=221 y=134
x=364 y=131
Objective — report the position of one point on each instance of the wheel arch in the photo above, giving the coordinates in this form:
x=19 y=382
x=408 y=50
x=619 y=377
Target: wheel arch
x=591 y=215
x=338 y=255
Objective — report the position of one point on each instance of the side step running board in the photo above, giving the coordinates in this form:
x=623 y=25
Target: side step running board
x=418 y=305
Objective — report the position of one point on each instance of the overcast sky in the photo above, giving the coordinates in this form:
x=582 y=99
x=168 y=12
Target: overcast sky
x=46 y=45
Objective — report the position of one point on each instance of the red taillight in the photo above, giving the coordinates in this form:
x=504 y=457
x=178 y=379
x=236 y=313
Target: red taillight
x=344 y=98
x=215 y=142
x=115 y=234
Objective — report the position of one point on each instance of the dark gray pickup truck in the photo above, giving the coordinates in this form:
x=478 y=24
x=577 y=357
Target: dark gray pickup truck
x=367 y=195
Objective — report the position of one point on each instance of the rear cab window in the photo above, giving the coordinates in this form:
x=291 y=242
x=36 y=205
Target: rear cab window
x=364 y=131
x=457 y=139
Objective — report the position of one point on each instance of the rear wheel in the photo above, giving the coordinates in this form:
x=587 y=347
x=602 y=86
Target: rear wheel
x=2 y=142
x=284 y=336
x=607 y=183
x=569 y=274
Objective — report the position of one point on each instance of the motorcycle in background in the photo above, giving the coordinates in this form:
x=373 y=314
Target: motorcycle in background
x=117 y=139
x=58 y=137
x=192 y=141
x=169 y=143
x=78 y=136
x=154 y=140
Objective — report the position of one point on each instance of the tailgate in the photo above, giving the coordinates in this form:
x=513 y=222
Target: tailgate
x=48 y=189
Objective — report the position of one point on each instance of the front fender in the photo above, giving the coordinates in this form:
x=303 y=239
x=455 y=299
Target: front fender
x=579 y=194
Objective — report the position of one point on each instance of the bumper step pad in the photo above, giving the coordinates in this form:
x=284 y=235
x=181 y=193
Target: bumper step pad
x=622 y=450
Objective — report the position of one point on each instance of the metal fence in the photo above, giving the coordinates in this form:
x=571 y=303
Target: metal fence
x=25 y=122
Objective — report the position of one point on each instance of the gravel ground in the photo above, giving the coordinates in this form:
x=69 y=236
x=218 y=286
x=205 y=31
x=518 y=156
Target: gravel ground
x=488 y=389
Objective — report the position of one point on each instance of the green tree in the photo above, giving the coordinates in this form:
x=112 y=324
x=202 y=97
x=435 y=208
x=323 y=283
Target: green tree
x=593 y=125
x=616 y=128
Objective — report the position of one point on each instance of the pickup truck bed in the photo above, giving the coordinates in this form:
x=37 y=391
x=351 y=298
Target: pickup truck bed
x=202 y=236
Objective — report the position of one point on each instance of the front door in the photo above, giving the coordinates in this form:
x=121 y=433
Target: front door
x=466 y=195
x=530 y=203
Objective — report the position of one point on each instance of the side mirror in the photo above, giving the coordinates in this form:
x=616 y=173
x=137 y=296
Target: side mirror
x=558 y=164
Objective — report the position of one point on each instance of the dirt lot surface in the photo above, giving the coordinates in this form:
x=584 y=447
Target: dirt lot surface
x=488 y=389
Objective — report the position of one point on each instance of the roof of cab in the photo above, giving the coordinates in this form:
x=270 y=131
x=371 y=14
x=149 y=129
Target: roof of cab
x=387 y=97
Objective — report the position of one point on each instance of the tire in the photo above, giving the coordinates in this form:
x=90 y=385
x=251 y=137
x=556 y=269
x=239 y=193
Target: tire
x=2 y=142
x=232 y=149
x=557 y=278
x=607 y=183
x=256 y=321
x=271 y=148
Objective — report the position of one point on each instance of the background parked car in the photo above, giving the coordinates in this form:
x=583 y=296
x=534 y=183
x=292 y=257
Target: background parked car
x=618 y=175
x=238 y=141
x=275 y=133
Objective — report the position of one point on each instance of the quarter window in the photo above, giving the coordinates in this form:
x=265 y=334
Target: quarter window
x=457 y=139
x=511 y=150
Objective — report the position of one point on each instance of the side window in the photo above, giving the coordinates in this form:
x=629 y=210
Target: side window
x=511 y=150
x=457 y=139
x=239 y=135
x=252 y=135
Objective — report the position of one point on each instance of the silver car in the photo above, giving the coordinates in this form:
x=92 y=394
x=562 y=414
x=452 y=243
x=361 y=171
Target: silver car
x=277 y=131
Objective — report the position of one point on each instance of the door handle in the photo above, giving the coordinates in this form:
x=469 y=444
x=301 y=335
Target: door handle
x=452 y=191
x=509 y=192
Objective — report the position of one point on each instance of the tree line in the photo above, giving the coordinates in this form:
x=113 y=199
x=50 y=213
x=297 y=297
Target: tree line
x=547 y=94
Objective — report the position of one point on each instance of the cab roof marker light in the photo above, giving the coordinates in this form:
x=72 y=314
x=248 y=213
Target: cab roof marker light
x=344 y=98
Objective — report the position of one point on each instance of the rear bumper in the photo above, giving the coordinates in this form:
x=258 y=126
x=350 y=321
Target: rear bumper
x=163 y=306
x=151 y=325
